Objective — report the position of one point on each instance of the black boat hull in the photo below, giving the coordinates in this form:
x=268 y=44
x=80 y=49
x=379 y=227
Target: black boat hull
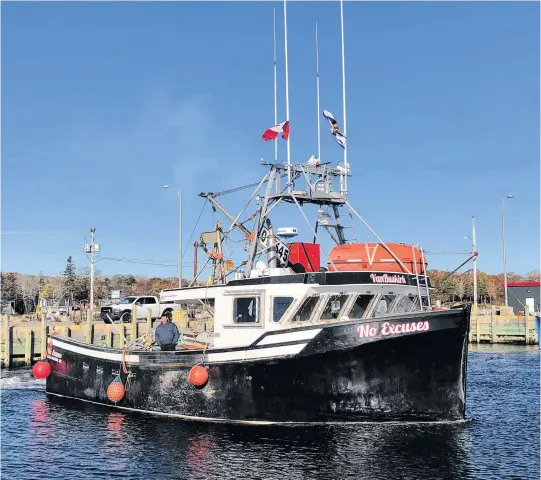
x=345 y=371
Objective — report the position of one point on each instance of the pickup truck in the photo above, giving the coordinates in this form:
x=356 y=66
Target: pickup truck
x=121 y=312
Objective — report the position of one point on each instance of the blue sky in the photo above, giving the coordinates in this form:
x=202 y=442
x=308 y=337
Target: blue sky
x=104 y=102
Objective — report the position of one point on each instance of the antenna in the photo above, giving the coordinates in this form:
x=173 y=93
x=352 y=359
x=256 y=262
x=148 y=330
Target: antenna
x=287 y=100
x=345 y=184
x=275 y=104
x=317 y=94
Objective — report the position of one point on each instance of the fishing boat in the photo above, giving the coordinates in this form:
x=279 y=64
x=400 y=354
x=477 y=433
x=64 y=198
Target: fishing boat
x=293 y=333
x=290 y=339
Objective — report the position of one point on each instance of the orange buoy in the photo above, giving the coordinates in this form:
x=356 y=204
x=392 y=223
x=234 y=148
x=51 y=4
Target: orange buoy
x=116 y=390
x=41 y=369
x=198 y=375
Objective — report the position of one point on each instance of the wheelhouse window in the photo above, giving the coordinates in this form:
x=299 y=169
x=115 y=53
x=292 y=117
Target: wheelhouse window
x=408 y=303
x=333 y=307
x=306 y=309
x=383 y=306
x=279 y=307
x=360 y=306
x=246 y=310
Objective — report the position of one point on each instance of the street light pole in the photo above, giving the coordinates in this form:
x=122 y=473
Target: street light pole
x=179 y=193
x=503 y=248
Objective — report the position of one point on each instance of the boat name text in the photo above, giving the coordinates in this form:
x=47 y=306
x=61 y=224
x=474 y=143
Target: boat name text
x=55 y=356
x=388 y=278
x=392 y=329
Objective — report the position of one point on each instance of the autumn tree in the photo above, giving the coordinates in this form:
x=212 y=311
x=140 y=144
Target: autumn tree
x=453 y=288
x=533 y=276
x=47 y=291
x=29 y=286
x=103 y=288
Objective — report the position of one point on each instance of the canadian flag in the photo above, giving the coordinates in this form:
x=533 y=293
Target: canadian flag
x=272 y=133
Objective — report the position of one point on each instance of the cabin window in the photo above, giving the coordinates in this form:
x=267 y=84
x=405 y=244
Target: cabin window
x=279 y=307
x=149 y=301
x=383 y=306
x=246 y=310
x=306 y=309
x=407 y=304
x=197 y=309
x=333 y=307
x=360 y=306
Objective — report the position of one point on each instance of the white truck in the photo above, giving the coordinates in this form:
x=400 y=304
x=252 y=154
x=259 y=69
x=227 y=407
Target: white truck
x=121 y=312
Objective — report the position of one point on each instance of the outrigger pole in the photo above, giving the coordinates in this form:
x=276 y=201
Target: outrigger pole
x=275 y=103
x=287 y=100
x=317 y=95
x=345 y=175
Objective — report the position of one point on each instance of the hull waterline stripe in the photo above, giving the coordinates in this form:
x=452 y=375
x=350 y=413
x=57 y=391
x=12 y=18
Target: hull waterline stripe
x=257 y=422
x=94 y=353
x=250 y=354
x=289 y=337
x=267 y=352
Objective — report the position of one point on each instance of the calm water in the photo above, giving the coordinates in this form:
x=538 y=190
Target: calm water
x=45 y=439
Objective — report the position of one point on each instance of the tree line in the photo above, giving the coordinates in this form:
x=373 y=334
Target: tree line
x=24 y=292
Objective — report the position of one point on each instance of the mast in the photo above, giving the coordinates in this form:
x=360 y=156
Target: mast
x=345 y=181
x=317 y=94
x=474 y=253
x=275 y=103
x=287 y=99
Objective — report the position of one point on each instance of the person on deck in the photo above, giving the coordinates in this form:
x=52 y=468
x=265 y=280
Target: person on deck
x=167 y=334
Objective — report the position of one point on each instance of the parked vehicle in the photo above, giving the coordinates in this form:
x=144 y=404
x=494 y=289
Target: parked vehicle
x=121 y=312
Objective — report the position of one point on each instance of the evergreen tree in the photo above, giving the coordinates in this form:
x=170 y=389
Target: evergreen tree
x=70 y=278
x=11 y=290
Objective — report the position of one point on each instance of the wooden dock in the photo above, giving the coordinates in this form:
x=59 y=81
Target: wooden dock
x=513 y=329
x=24 y=341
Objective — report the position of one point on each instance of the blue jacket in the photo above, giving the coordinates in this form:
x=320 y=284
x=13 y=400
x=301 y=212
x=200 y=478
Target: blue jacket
x=166 y=333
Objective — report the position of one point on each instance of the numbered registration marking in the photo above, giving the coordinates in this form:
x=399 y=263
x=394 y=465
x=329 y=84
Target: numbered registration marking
x=282 y=251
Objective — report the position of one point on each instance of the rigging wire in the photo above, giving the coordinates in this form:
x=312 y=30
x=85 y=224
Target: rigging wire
x=465 y=252
x=194 y=228
x=233 y=190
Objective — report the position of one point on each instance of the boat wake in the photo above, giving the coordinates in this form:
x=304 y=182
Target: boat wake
x=20 y=381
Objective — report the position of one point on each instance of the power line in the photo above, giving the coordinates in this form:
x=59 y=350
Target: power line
x=42 y=232
x=144 y=262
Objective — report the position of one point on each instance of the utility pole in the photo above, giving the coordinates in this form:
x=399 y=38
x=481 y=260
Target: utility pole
x=504 y=253
x=92 y=248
